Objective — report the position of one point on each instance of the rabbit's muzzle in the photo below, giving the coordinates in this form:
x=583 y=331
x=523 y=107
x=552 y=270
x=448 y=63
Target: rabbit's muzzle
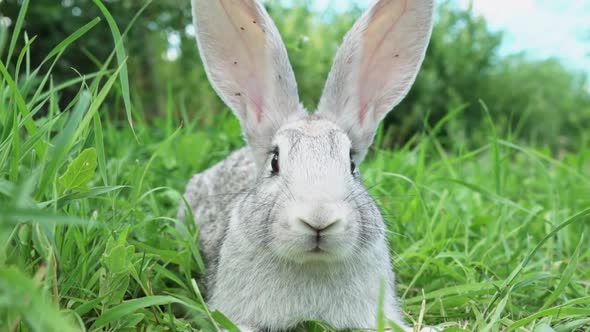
x=316 y=231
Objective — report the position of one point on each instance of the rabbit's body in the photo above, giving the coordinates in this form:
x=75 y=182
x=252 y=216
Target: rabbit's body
x=288 y=231
x=211 y=194
x=279 y=293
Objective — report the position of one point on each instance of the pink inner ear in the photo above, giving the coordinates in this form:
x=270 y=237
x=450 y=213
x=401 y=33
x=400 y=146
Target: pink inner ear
x=363 y=113
x=379 y=54
x=257 y=101
x=254 y=95
x=249 y=67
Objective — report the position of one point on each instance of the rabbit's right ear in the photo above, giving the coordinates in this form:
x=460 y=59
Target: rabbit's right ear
x=376 y=66
x=247 y=64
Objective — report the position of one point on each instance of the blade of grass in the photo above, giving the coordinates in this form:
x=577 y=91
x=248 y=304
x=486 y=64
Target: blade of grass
x=3 y=36
x=13 y=215
x=560 y=310
x=120 y=52
x=573 y=325
x=70 y=39
x=63 y=143
x=566 y=276
x=99 y=144
x=17 y=28
x=128 y=307
x=104 y=66
x=16 y=149
x=23 y=52
x=508 y=281
x=97 y=103
x=495 y=148
x=56 y=53
x=496 y=315
x=20 y=103
x=32 y=141
x=202 y=301
x=94 y=192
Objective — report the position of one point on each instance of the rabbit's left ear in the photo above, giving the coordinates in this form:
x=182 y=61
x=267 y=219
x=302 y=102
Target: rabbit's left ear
x=376 y=66
x=247 y=64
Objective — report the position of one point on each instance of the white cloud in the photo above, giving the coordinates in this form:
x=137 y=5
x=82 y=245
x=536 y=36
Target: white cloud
x=541 y=28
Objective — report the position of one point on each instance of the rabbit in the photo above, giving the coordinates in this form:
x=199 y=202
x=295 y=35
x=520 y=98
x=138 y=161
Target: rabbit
x=287 y=229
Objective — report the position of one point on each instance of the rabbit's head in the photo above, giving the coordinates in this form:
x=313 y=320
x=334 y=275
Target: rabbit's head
x=309 y=203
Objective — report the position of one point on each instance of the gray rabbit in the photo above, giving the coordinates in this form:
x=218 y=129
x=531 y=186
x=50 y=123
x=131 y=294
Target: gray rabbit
x=288 y=231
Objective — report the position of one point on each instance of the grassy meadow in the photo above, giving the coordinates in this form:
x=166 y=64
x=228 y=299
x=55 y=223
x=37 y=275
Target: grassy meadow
x=487 y=234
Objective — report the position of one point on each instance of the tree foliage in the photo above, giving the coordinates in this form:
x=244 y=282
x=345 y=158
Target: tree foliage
x=530 y=99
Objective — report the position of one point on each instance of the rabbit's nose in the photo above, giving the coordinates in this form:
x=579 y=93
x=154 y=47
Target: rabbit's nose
x=318 y=218
x=319 y=227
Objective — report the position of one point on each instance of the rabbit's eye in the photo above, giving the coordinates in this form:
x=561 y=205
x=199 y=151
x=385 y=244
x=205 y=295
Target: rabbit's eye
x=274 y=164
x=352 y=164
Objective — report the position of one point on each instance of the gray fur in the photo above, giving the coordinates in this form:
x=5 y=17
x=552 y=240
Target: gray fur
x=210 y=195
x=302 y=240
x=248 y=281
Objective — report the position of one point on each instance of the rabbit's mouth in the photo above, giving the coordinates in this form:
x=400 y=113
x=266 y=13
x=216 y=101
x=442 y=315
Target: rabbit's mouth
x=321 y=244
x=310 y=248
x=317 y=250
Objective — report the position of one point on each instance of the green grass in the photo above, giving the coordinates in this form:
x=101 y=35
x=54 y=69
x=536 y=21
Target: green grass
x=486 y=239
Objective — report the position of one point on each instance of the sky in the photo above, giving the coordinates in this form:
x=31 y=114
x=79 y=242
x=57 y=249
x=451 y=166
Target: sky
x=541 y=28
